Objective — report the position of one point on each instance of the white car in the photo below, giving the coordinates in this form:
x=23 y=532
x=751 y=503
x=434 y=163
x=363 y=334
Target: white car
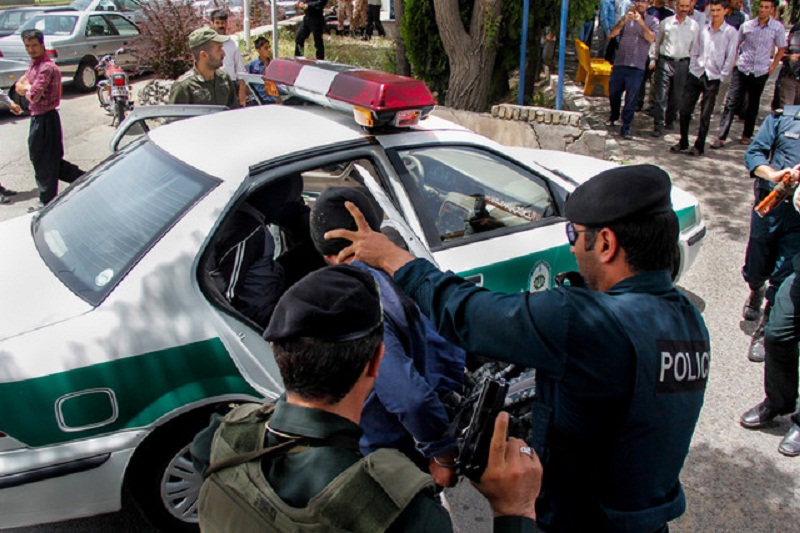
x=118 y=346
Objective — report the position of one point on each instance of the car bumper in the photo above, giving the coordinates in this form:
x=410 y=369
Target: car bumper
x=691 y=239
x=58 y=483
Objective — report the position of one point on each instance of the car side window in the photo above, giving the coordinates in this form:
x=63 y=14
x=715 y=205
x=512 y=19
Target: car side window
x=123 y=26
x=97 y=26
x=465 y=191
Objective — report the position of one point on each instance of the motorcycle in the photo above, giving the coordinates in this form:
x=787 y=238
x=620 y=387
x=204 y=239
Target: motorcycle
x=114 y=92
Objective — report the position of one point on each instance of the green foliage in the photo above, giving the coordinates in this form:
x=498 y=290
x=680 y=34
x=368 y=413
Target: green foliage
x=424 y=48
x=376 y=54
x=163 y=42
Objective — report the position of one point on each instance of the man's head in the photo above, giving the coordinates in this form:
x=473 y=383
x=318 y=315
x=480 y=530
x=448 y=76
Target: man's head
x=330 y=213
x=263 y=48
x=641 y=6
x=34 y=43
x=683 y=8
x=623 y=224
x=717 y=10
x=219 y=21
x=327 y=333
x=735 y=5
x=766 y=8
x=206 y=47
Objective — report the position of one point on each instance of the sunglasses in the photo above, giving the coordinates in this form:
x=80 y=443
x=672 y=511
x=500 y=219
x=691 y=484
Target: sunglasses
x=572 y=233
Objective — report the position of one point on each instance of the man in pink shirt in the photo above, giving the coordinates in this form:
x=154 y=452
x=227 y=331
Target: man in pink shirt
x=41 y=85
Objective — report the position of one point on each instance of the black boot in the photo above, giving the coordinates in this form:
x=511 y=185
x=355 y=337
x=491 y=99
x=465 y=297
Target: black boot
x=752 y=306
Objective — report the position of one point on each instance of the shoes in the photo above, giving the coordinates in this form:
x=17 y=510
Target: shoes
x=657 y=132
x=7 y=192
x=719 y=143
x=752 y=306
x=4 y=199
x=678 y=148
x=759 y=416
x=38 y=206
x=756 y=352
x=669 y=126
x=627 y=136
x=694 y=150
x=611 y=124
x=790 y=445
x=744 y=141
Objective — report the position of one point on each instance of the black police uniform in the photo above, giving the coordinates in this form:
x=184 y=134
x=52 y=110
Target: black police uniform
x=313 y=24
x=775 y=238
x=621 y=374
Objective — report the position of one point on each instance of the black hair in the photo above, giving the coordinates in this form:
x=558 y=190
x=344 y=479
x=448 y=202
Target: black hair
x=205 y=47
x=33 y=34
x=260 y=41
x=220 y=14
x=650 y=243
x=775 y=3
x=324 y=371
x=722 y=3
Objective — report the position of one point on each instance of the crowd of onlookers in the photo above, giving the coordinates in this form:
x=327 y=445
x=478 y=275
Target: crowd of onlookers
x=690 y=52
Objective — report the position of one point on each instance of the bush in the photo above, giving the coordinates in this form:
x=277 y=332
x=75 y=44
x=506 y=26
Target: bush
x=163 y=44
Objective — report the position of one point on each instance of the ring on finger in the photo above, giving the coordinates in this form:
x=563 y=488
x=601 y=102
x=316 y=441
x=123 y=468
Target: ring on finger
x=526 y=450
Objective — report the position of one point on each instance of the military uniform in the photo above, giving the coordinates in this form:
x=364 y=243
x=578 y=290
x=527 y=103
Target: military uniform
x=620 y=382
x=192 y=88
x=775 y=238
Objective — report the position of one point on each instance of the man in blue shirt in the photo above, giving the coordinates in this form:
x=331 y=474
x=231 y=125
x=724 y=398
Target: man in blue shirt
x=621 y=363
x=404 y=410
x=259 y=65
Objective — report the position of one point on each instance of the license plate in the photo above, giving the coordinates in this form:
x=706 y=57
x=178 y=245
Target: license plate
x=119 y=91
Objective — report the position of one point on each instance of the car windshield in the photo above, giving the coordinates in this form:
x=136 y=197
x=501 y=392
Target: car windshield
x=61 y=24
x=105 y=222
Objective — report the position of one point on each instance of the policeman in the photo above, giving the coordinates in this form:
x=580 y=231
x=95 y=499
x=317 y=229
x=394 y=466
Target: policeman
x=775 y=238
x=622 y=363
x=296 y=465
x=313 y=24
x=206 y=83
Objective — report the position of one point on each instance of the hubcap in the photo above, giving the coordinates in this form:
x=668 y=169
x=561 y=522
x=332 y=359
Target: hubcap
x=180 y=487
x=88 y=76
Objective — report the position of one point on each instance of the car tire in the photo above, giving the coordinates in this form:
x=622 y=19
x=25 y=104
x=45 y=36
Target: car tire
x=161 y=478
x=120 y=108
x=86 y=76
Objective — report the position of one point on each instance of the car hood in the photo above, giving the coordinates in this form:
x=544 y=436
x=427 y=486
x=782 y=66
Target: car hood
x=13 y=48
x=32 y=296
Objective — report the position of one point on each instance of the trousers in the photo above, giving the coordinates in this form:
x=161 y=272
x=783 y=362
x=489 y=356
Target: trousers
x=694 y=88
x=670 y=74
x=313 y=24
x=742 y=84
x=627 y=80
x=780 y=343
x=46 y=151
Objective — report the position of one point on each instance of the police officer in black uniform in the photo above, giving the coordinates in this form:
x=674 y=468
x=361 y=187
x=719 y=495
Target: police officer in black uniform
x=774 y=238
x=313 y=24
x=621 y=363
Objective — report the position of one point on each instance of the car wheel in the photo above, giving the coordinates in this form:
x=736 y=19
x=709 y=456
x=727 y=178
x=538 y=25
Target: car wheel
x=161 y=478
x=86 y=77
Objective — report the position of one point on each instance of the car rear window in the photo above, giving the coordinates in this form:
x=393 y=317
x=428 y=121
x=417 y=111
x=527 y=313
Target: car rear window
x=102 y=225
x=51 y=24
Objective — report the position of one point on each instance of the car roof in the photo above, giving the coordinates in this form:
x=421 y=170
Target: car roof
x=227 y=144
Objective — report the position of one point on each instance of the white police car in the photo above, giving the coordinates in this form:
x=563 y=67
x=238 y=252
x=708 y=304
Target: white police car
x=117 y=347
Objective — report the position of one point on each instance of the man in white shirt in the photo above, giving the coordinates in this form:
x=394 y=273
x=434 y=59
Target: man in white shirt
x=233 y=63
x=713 y=55
x=672 y=51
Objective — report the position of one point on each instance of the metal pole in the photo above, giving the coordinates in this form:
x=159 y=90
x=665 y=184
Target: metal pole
x=274 y=10
x=523 y=48
x=247 y=24
x=562 y=48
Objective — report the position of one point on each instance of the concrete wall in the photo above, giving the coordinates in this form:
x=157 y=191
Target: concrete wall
x=532 y=127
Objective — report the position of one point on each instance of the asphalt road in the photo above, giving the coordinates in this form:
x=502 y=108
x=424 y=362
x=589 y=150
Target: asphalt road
x=735 y=479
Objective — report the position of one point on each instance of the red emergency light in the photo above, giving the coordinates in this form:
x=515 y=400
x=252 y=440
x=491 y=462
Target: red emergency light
x=375 y=98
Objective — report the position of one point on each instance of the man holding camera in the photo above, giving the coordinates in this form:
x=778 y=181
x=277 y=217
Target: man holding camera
x=621 y=362
x=297 y=462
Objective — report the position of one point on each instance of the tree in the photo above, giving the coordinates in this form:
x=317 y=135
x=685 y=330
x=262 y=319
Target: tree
x=471 y=50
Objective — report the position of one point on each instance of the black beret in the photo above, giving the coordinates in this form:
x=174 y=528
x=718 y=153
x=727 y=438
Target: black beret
x=620 y=193
x=330 y=213
x=335 y=304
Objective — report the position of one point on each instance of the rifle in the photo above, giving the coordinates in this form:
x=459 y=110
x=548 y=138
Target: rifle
x=783 y=189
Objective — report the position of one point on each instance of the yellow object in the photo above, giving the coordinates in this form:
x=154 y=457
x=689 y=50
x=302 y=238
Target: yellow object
x=594 y=70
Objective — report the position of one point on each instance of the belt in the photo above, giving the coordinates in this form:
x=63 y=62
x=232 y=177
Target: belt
x=668 y=58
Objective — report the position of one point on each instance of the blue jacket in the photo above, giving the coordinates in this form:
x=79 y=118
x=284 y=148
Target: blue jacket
x=608 y=16
x=620 y=382
x=404 y=410
x=257 y=66
x=776 y=144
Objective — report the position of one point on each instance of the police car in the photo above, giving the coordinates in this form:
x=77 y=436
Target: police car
x=117 y=347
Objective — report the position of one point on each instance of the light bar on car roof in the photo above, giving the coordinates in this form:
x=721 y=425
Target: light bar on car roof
x=375 y=98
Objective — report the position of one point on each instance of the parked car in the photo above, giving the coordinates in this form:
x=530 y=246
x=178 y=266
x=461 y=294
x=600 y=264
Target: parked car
x=10 y=72
x=75 y=40
x=14 y=17
x=131 y=9
x=115 y=360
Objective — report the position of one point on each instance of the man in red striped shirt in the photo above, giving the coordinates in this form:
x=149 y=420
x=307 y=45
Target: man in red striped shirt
x=41 y=85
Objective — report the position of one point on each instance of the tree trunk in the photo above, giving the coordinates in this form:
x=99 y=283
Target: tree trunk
x=402 y=65
x=471 y=53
